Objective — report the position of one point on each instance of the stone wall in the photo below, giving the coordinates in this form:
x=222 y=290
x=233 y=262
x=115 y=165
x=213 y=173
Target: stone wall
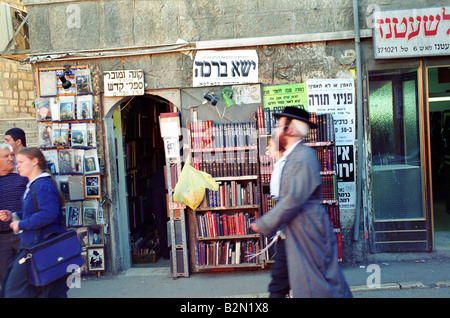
x=17 y=99
x=16 y=90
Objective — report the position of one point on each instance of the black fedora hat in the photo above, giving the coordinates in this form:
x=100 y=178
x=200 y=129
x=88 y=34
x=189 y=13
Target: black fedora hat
x=296 y=113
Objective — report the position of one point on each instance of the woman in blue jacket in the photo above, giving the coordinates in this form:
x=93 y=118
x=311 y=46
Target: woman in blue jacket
x=40 y=216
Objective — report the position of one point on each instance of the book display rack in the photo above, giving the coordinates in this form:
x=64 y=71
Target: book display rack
x=67 y=136
x=220 y=234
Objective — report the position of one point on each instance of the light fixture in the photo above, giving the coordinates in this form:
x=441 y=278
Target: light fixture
x=65 y=83
x=211 y=97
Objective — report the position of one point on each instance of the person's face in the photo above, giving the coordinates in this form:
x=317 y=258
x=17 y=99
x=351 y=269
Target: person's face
x=43 y=112
x=25 y=165
x=280 y=132
x=6 y=161
x=10 y=141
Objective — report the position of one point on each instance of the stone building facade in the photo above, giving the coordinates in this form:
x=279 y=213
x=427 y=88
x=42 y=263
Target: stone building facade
x=295 y=41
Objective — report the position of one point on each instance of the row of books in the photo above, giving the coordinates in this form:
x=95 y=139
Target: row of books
x=209 y=135
x=323 y=132
x=63 y=135
x=326 y=158
x=267 y=163
x=333 y=213
x=227 y=253
x=228 y=163
x=329 y=187
x=325 y=128
x=266 y=120
x=231 y=193
x=267 y=203
x=213 y=224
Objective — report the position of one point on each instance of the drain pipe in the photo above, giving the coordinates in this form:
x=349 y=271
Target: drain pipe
x=360 y=121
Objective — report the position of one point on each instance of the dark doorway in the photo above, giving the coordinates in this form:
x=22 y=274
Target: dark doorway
x=145 y=178
x=439 y=116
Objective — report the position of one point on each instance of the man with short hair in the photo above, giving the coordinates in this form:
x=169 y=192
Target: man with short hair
x=12 y=187
x=15 y=137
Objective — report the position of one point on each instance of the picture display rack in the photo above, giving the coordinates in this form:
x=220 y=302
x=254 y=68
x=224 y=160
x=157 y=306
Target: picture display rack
x=220 y=234
x=322 y=139
x=67 y=137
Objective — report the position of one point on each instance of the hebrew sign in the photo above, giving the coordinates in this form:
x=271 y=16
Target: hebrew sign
x=412 y=32
x=214 y=68
x=123 y=83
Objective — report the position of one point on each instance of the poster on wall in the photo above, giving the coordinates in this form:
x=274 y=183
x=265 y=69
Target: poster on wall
x=215 y=68
x=285 y=95
x=337 y=97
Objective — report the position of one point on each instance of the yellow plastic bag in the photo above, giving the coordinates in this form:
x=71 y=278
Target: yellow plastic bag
x=191 y=185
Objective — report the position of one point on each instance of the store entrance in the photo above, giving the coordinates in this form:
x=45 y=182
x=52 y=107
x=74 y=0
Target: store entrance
x=144 y=162
x=439 y=115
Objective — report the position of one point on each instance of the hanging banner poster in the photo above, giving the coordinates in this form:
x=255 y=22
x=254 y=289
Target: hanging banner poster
x=215 y=68
x=411 y=32
x=337 y=97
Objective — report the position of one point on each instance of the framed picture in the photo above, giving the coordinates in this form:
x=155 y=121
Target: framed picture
x=51 y=156
x=95 y=236
x=43 y=109
x=66 y=161
x=67 y=108
x=83 y=81
x=90 y=213
x=78 y=158
x=92 y=186
x=75 y=186
x=47 y=83
x=73 y=214
x=79 y=135
x=82 y=234
x=96 y=259
x=60 y=135
x=91 y=162
x=85 y=109
x=91 y=136
x=45 y=137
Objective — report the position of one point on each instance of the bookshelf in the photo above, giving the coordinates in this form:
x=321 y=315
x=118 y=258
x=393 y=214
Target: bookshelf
x=220 y=234
x=323 y=141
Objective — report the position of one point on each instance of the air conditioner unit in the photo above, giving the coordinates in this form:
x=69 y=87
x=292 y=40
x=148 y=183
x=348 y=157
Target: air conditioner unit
x=10 y=20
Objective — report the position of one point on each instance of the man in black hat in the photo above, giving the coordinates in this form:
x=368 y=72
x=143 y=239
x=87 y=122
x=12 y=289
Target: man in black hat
x=310 y=244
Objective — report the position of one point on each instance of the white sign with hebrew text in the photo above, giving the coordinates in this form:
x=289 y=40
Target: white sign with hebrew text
x=124 y=83
x=412 y=32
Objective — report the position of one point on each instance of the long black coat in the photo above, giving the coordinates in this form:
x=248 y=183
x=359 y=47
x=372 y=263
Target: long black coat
x=311 y=246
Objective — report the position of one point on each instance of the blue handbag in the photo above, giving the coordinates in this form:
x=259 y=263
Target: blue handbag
x=50 y=260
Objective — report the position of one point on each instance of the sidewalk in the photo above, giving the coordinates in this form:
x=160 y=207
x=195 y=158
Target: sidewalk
x=410 y=270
